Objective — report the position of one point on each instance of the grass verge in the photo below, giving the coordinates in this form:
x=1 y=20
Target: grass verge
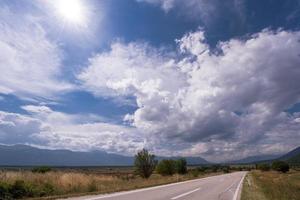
x=271 y=186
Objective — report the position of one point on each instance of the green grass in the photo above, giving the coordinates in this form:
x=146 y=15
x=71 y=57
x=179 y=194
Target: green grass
x=271 y=186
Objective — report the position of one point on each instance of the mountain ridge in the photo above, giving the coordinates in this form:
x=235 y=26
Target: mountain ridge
x=292 y=157
x=25 y=155
x=253 y=159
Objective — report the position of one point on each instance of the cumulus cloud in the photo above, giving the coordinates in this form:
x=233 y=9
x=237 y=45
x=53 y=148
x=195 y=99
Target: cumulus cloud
x=202 y=101
x=126 y=66
x=30 y=63
x=78 y=132
x=17 y=128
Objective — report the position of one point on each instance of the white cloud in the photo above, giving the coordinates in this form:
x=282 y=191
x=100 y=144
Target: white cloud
x=17 y=128
x=165 y=4
x=80 y=132
x=131 y=69
x=30 y=63
x=217 y=103
x=47 y=128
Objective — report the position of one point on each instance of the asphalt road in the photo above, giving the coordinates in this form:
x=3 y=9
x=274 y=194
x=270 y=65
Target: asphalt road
x=222 y=187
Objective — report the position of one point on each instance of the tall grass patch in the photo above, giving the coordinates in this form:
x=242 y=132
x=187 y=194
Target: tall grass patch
x=272 y=185
x=28 y=184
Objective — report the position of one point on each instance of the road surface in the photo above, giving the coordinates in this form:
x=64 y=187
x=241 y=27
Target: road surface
x=222 y=187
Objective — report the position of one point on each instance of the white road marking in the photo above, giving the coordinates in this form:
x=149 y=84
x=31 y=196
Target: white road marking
x=229 y=188
x=185 y=194
x=235 y=197
x=226 y=190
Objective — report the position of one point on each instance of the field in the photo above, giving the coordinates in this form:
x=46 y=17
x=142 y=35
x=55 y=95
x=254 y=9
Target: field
x=271 y=185
x=72 y=182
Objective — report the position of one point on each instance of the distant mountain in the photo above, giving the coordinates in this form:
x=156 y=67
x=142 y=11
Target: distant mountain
x=254 y=159
x=292 y=156
x=23 y=155
x=294 y=160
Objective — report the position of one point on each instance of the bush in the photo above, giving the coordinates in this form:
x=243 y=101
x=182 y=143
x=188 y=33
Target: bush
x=47 y=189
x=263 y=167
x=4 y=190
x=181 y=166
x=215 y=168
x=144 y=163
x=226 y=169
x=280 y=166
x=18 y=189
x=43 y=169
x=195 y=173
x=203 y=169
x=166 y=167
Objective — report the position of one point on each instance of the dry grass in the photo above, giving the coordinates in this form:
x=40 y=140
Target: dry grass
x=271 y=186
x=251 y=191
x=74 y=183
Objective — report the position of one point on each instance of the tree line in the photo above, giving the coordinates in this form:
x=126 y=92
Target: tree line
x=145 y=164
x=277 y=165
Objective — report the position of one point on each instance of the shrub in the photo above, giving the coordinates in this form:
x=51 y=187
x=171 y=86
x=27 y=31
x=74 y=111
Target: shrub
x=203 y=169
x=181 y=166
x=4 y=190
x=166 y=167
x=144 y=163
x=195 y=173
x=47 y=189
x=263 y=167
x=226 y=169
x=280 y=166
x=215 y=168
x=18 y=189
x=42 y=169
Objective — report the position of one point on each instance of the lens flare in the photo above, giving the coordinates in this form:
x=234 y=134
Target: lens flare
x=72 y=11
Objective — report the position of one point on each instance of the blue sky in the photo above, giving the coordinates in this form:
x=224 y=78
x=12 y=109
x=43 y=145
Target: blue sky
x=217 y=79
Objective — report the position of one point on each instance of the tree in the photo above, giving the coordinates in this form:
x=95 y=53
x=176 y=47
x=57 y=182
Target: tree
x=215 y=168
x=280 y=166
x=166 y=167
x=181 y=166
x=226 y=169
x=41 y=169
x=263 y=167
x=144 y=163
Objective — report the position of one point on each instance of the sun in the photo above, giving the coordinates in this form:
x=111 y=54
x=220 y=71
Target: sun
x=71 y=11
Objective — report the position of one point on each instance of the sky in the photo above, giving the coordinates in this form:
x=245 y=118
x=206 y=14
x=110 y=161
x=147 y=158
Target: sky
x=210 y=78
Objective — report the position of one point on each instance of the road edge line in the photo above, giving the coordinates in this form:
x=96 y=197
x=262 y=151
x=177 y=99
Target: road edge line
x=235 y=197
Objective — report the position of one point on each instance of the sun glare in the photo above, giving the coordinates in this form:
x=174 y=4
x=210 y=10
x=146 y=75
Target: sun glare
x=71 y=11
